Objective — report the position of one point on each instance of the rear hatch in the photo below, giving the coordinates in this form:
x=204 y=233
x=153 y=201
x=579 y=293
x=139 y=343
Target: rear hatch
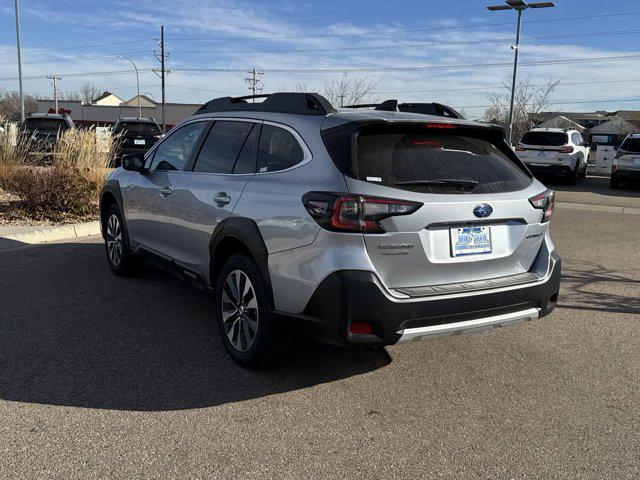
x=43 y=132
x=628 y=155
x=137 y=135
x=475 y=221
x=543 y=148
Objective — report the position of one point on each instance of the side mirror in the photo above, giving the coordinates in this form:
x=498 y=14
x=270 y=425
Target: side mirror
x=134 y=162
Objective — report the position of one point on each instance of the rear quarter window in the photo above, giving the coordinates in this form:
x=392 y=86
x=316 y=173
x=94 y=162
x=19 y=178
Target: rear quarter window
x=436 y=163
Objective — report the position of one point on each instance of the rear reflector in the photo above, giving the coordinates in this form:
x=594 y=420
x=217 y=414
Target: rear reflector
x=360 y=328
x=568 y=149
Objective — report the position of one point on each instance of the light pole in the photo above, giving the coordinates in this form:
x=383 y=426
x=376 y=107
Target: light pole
x=19 y=61
x=520 y=6
x=137 y=83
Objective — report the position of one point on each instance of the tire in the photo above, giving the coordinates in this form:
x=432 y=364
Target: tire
x=246 y=322
x=583 y=173
x=614 y=183
x=116 y=242
x=575 y=174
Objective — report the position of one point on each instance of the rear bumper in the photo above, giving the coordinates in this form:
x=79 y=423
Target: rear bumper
x=626 y=175
x=349 y=296
x=551 y=169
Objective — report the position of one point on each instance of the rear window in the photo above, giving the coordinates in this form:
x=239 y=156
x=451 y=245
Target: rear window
x=45 y=124
x=550 y=139
x=148 y=129
x=436 y=162
x=631 y=145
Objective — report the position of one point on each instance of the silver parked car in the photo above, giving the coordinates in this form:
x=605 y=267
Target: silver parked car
x=626 y=164
x=360 y=227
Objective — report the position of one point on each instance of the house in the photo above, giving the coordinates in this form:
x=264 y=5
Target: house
x=145 y=102
x=560 y=121
x=612 y=132
x=107 y=99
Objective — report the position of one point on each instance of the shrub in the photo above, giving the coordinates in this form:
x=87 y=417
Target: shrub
x=55 y=192
x=67 y=188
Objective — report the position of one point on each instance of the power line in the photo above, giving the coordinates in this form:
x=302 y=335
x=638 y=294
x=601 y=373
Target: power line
x=576 y=102
x=562 y=84
x=414 y=45
x=425 y=67
x=82 y=46
x=81 y=59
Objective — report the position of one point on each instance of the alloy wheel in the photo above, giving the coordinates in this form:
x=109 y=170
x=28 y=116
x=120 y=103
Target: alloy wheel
x=239 y=310
x=114 y=240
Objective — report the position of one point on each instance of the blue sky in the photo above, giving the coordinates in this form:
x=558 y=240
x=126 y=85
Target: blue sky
x=382 y=40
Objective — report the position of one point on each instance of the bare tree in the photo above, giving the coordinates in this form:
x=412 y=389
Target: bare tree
x=10 y=104
x=88 y=92
x=530 y=100
x=350 y=90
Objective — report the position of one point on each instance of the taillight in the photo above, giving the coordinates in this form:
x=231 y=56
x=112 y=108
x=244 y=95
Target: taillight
x=568 y=149
x=520 y=148
x=354 y=213
x=546 y=202
x=614 y=167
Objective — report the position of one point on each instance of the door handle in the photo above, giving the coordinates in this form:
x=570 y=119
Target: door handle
x=221 y=199
x=166 y=191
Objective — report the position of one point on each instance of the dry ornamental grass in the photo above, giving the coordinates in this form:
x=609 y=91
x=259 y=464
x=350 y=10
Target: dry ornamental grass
x=67 y=190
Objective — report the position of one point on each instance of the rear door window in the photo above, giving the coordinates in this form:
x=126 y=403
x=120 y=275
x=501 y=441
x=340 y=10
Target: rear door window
x=222 y=147
x=435 y=162
x=546 y=139
x=278 y=150
x=50 y=125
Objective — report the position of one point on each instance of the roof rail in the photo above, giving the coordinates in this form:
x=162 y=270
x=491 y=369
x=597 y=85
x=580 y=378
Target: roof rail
x=433 y=108
x=282 y=102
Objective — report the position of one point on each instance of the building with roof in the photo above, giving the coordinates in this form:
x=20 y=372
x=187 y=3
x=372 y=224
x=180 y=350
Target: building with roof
x=107 y=99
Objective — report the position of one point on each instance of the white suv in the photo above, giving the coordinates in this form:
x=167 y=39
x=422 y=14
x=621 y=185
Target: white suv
x=554 y=151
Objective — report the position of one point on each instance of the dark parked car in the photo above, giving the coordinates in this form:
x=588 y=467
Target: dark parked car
x=134 y=135
x=41 y=131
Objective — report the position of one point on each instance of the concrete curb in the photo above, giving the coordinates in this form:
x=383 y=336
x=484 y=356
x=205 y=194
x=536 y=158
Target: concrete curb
x=53 y=234
x=599 y=208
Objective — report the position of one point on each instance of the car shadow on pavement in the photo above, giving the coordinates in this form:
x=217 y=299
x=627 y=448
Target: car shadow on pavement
x=592 y=184
x=590 y=286
x=73 y=334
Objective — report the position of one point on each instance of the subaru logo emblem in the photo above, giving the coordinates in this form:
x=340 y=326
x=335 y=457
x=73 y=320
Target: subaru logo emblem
x=483 y=210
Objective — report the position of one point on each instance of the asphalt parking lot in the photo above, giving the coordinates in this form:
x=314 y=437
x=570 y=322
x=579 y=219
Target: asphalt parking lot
x=107 y=377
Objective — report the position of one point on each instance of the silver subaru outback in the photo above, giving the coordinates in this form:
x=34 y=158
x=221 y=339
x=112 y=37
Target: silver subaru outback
x=359 y=227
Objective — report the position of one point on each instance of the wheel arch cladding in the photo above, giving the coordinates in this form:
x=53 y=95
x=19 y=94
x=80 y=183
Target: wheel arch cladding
x=109 y=195
x=238 y=235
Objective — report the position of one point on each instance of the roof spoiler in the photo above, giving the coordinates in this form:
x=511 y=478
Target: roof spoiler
x=297 y=103
x=433 y=108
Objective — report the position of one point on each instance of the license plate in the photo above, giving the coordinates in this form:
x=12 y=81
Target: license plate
x=470 y=241
x=138 y=141
x=542 y=154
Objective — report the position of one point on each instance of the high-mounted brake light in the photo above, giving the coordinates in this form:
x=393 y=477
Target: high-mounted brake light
x=546 y=202
x=440 y=125
x=354 y=213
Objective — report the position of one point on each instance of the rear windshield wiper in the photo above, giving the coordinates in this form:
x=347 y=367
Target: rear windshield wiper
x=442 y=182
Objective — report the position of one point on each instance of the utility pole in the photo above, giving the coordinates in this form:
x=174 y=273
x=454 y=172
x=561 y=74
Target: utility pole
x=254 y=82
x=161 y=58
x=54 y=79
x=341 y=99
x=519 y=6
x=19 y=61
